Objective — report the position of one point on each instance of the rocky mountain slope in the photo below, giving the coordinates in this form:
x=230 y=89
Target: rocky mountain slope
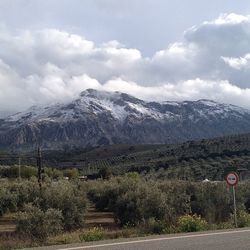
x=99 y=117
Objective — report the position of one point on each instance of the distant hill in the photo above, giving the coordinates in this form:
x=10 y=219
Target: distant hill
x=106 y=118
x=191 y=160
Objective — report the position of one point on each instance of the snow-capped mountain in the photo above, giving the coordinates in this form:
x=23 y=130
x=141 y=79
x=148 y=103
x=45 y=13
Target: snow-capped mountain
x=99 y=117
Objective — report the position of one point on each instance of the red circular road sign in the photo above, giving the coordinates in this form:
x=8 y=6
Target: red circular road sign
x=232 y=179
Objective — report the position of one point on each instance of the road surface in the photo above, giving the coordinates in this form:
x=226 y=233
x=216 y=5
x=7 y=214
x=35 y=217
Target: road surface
x=223 y=240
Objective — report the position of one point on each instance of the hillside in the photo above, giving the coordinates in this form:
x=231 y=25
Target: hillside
x=106 y=118
x=192 y=160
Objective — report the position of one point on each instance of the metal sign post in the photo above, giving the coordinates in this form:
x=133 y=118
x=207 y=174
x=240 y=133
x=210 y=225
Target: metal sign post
x=235 y=211
x=232 y=180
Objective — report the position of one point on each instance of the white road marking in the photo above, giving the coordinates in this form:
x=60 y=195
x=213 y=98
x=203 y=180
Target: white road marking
x=157 y=239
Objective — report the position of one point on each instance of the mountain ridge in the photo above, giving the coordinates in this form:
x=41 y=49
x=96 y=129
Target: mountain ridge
x=101 y=117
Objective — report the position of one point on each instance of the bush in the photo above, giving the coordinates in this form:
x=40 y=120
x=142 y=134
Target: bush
x=35 y=223
x=139 y=203
x=155 y=226
x=133 y=175
x=226 y=225
x=8 y=201
x=212 y=202
x=26 y=191
x=135 y=200
x=71 y=173
x=93 y=234
x=191 y=223
x=178 y=198
x=54 y=173
x=13 y=172
x=64 y=196
x=104 y=194
x=67 y=198
x=243 y=219
x=105 y=173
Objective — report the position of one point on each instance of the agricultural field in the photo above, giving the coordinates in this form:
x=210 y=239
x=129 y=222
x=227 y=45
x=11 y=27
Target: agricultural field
x=129 y=191
x=70 y=211
x=192 y=160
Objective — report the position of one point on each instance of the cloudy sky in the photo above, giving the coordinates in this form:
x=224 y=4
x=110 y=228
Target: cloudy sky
x=51 y=50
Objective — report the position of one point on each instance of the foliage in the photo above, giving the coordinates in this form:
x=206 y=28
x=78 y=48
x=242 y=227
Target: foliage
x=67 y=198
x=133 y=175
x=8 y=201
x=134 y=201
x=191 y=223
x=212 y=201
x=178 y=197
x=105 y=173
x=191 y=160
x=243 y=219
x=27 y=172
x=155 y=226
x=93 y=234
x=61 y=195
x=13 y=172
x=71 y=173
x=35 y=223
x=141 y=203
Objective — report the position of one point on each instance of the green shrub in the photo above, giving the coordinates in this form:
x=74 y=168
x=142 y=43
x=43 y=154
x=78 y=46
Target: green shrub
x=226 y=225
x=61 y=195
x=13 y=172
x=105 y=173
x=211 y=201
x=178 y=198
x=71 y=173
x=243 y=219
x=139 y=203
x=129 y=232
x=54 y=173
x=135 y=200
x=8 y=201
x=104 y=194
x=133 y=175
x=93 y=234
x=67 y=198
x=155 y=226
x=27 y=191
x=35 y=223
x=191 y=223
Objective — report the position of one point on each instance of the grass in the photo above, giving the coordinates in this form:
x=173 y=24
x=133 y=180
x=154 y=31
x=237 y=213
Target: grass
x=13 y=241
x=96 y=234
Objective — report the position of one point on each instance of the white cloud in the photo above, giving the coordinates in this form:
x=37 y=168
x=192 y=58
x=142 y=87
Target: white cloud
x=195 y=89
x=238 y=63
x=230 y=19
x=210 y=61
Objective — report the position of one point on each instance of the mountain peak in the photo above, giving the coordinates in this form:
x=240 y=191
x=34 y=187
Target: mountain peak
x=89 y=92
x=208 y=102
x=115 y=96
x=98 y=93
x=121 y=118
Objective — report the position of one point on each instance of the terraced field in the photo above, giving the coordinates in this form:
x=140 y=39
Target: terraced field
x=7 y=224
x=192 y=160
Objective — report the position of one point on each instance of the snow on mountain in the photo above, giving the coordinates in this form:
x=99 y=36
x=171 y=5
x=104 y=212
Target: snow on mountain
x=98 y=117
x=120 y=106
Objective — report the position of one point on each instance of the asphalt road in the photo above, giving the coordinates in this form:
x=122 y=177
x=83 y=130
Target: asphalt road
x=223 y=240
